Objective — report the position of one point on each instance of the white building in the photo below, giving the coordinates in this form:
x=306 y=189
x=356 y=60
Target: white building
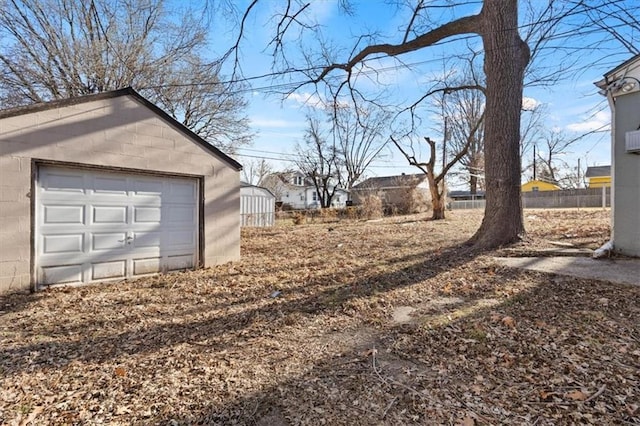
x=298 y=192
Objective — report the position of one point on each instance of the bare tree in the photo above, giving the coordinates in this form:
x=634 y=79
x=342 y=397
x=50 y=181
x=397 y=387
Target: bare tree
x=619 y=20
x=437 y=187
x=358 y=134
x=68 y=48
x=506 y=57
x=254 y=172
x=463 y=113
x=426 y=27
x=552 y=145
x=318 y=160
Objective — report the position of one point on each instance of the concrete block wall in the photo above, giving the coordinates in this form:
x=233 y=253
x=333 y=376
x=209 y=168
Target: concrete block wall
x=118 y=132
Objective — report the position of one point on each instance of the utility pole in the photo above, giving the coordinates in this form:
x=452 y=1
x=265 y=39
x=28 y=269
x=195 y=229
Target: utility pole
x=534 y=162
x=444 y=142
x=579 y=173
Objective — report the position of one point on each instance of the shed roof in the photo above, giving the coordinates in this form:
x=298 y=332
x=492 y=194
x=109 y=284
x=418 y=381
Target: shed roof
x=262 y=188
x=598 y=171
x=382 y=182
x=127 y=91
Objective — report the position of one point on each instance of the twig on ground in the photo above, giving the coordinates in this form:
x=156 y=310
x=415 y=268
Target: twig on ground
x=386 y=410
x=597 y=394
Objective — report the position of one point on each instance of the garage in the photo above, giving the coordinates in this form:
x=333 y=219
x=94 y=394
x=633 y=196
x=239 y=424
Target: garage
x=95 y=226
x=109 y=187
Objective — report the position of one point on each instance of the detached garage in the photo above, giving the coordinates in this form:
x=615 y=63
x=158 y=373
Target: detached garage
x=106 y=187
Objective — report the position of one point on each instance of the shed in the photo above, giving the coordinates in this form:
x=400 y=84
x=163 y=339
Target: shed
x=257 y=206
x=109 y=187
x=539 y=185
x=621 y=86
x=599 y=176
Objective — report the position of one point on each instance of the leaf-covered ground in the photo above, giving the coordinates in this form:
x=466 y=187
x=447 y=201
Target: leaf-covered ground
x=345 y=323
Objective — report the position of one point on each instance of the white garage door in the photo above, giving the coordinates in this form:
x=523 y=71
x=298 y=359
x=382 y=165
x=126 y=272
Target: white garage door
x=94 y=225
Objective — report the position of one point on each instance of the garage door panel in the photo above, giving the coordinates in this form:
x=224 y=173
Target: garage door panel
x=147 y=266
x=179 y=262
x=182 y=191
x=66 y=243
x=108 y=270
x=115 y=225
x=61 y=274
x=108 y=241
x=147 y=239
x=183 y=238
x=147 y=187
x=65 y=182
x=109 y=214
x=185 y=215
x=58 y=214
x=110 y=185
x=147 y=214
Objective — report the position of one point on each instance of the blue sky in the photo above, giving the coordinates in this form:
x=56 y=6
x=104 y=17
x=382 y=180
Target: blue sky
x=573 y=104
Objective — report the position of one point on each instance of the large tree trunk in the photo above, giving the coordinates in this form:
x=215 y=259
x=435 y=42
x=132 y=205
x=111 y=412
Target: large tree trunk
x=437 y=199
x=506 y=57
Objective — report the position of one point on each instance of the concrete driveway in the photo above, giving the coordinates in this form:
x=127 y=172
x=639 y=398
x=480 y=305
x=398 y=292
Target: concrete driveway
x=623 y=271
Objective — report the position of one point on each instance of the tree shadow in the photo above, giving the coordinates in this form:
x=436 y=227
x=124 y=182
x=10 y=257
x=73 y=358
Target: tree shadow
x=550 y=366
x=99 y=340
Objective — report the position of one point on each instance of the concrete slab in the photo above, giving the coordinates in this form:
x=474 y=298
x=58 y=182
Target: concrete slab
x=623 y=271
x=402 y=314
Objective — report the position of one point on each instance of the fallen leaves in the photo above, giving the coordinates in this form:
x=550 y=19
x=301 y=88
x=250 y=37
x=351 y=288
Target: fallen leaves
x=576 y=395
x=486 y=344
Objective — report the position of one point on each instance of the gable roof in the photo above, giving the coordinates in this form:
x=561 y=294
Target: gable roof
x=614 y=80
x=598 y=171
x=127 y=91
x=286 y=178
x=623 y=65
x=387 y=182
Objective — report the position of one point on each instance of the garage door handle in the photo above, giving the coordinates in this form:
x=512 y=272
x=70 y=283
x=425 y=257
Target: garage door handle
x=128 y=239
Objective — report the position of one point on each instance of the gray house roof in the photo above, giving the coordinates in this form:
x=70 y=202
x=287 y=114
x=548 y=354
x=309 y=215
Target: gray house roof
x=598 y=171
x=387 y=182
x=127 y=91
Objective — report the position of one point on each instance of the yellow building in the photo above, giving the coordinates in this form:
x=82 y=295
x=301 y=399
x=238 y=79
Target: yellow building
x=539 y=185
x=599 y=176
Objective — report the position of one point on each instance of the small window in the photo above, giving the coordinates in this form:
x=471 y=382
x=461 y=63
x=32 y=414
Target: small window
x=315 y=196
x=297 y=180
x=535 y=189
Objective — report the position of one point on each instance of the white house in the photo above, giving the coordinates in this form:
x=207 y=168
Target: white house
x=621 y=86
x=297 y=191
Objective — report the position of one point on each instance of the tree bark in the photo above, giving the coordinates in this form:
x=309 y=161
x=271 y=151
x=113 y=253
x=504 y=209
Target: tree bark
x=437 y=199
x=506 y=57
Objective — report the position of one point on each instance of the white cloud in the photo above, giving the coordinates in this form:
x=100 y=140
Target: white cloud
x=529 y=104
x=307 y=99
x=599 y=121
x=321 y=11
x=274 y=123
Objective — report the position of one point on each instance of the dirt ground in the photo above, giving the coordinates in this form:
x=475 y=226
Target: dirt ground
x=343 y=323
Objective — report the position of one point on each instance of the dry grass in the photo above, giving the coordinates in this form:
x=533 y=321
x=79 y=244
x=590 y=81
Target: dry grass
x=301 y=331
